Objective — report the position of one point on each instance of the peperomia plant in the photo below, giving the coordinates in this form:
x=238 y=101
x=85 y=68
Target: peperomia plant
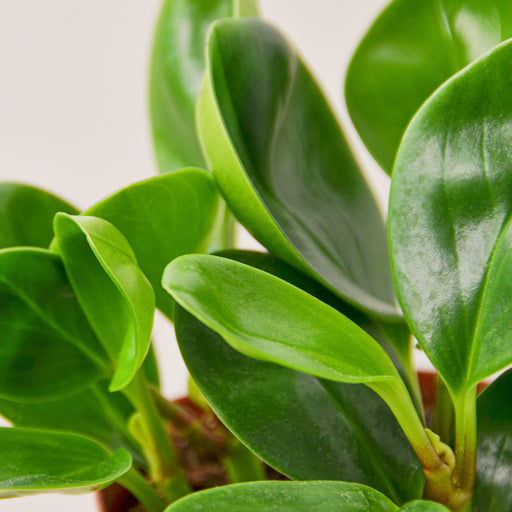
x=303 y=352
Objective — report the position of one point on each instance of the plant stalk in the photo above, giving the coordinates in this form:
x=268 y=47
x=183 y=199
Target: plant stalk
x=134 y=482
x=436 y=457
x=465 y=446
x=164 y=467
x=444 y=413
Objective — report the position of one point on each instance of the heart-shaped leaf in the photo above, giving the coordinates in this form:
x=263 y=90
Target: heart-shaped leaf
x=116 y=297
x=48 y=349
x=177 y=69
x=162 y=218
x=423 y=506
x=41 y=461
x=493 y=490
x=449 y=223
x=284 y=167
x=26 y=215
x=287 y=497
x=411 y=49
x=94 y=412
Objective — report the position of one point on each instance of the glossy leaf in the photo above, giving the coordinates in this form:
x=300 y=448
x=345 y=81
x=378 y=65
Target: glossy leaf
x=40 y=461
x=411 y=49
x=177 y=69
x=449 y=223
x=162 y=218
x=287 y=497
x=26 y=215
x=268 y=319
x=493 y=490
x=48 y=349
x=116 y=297
x=265 y=125
x=94 y=412
x=423 y=506
x=345 y=431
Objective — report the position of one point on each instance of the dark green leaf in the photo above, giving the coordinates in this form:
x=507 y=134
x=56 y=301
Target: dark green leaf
x=177 y=68
x=48 y=349
x=287 y=497
x=284 y=167
x=450 y=233
x=493 y=490
x=26 y=215
x=40 y=461
x=412 y=48
x=423 y=506
x=115 y=295
x=269 y=319
x=162 y=218
x=345 y=431
x=94 y=412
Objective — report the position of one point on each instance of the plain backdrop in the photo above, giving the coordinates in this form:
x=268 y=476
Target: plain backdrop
x=73 y=111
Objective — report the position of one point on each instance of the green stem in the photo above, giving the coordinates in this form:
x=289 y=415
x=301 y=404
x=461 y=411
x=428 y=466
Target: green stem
x=165 y=470
x=444 y=411
x=465 y=445
x=134 y=482
x=413 y=383
x=436 y=457
x=396 y=395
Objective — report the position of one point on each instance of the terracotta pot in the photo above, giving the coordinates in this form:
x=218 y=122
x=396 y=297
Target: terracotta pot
x=117 y=499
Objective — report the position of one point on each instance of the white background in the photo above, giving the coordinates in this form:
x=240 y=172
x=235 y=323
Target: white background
x=73 y=116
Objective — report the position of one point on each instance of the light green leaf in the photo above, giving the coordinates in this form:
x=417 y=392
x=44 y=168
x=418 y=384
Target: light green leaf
x=411 y=49
x=287 y=497
x=177 y=69
x=48 y=349
x=346 y=432
x=42 y=461
x=493 y=489
x=268 y=319
x=162 y=218
x=265 y=125
x=26 y=215
x=115 y=295
x=449 y=225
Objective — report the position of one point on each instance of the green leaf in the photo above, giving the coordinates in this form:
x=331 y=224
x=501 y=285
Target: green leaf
x=449 y=226
x=94 y=412
x=265 y=124
x=41 y=461
x=177 y=69
x=287 y=497
x=115 y=295
x=493 y=489
x=345 y=431
x=268 y=319
x=423 y=506
x=26 y=215
x=48 y=349
x=162 y=218
x=411 y=49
